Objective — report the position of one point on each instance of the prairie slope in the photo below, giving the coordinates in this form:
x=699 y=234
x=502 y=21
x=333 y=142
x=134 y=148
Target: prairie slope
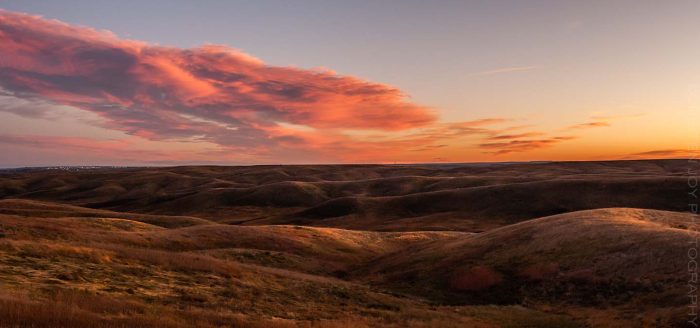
x=606 y=262
x=31 y=208
x=85 y=270
x=617 y=258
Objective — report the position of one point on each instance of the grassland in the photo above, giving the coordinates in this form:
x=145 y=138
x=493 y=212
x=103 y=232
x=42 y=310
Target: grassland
x=80 y=249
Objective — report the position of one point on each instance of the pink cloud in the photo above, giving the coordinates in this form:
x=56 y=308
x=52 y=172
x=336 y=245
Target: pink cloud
x=210 y=93
x=219 y=96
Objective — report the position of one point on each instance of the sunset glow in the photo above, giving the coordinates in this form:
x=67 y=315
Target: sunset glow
x=616 y=89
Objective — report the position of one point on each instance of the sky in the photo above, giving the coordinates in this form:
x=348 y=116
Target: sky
x=282 y=82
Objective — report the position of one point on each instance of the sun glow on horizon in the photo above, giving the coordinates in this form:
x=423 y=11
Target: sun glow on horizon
x=71 y=94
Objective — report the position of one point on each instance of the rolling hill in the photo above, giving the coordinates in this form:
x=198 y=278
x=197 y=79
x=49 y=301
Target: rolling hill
x=590 y=244
x=365 y=197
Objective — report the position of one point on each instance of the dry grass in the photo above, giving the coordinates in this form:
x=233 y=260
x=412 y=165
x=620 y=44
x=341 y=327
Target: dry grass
x=173 y=260
x=89 y=267
x=81 y=274
x=73 y=308
x=70 y=308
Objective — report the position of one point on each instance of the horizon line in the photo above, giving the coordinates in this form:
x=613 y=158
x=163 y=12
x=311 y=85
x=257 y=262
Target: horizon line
x=340 y=164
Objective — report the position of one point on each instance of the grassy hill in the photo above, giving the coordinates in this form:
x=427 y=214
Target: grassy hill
x=545 y=272
x=589 y=244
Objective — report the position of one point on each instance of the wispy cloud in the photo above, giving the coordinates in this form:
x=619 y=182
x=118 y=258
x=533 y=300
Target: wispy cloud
x=666 y=153
x=109 y=148
x=588 y=125
x=600 y=121
x=513 y=146
x=515 y=136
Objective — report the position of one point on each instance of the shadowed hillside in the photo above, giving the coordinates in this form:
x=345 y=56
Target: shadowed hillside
x=466 y=197
x=621 y=252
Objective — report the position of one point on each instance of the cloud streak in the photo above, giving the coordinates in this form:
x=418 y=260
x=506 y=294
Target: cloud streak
x=588 y=125
x=667 y=153
x=110 y=149
x=513 y=146
x=515 y=136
